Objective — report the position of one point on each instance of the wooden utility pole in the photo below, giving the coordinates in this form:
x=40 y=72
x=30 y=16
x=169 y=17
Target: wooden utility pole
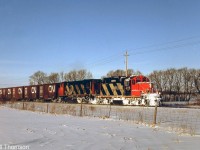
x=126 y=62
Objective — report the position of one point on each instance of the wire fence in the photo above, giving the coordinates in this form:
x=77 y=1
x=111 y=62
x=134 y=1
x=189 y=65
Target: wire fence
x=181 y=120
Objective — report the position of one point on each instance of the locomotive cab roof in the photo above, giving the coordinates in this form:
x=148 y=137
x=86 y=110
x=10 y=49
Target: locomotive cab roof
x=140 y=78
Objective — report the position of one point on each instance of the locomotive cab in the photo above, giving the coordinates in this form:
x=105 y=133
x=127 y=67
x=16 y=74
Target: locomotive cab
x=139 y=85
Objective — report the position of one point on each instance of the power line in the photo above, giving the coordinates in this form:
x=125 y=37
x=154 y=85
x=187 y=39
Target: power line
x=166 y=43
x=112 y=58
x=167 y=48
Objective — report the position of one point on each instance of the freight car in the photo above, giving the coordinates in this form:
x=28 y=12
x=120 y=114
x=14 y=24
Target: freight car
x=18 y=93
x=7 y=94
x=132 y=90
x=31 y=92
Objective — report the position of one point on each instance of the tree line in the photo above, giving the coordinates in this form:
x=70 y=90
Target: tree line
x=41 y=77
x=177 y=84
x=120 y=72
x=174 y=84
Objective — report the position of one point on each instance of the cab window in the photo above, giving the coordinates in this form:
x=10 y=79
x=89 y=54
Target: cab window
x=126 y=83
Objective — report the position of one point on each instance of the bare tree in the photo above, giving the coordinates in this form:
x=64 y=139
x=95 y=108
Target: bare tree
x=81 y=74
x=38 y=77
x=196 y=78
x=170 y=73
x=188 y=83
x=110 y=73
x=117 y=72
x=177 y=84
x=120 y=72
x=157 y=78
x=136 y=72
x=76 y=75
x=70 y=76
x=178 y=80
x=88 y=75
x=53 y=78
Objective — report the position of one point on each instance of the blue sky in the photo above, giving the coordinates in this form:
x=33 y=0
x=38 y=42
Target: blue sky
x=62 y=35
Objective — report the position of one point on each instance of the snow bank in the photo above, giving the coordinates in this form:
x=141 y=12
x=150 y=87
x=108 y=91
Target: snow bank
x=46 y=131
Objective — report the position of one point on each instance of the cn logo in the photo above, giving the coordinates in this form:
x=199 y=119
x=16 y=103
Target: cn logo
x=9 y=91
x=19 y=90
x=33 y=90
x=51 y=88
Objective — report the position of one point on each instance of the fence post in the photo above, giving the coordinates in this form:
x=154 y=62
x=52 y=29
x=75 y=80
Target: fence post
x=81 y=110
x=47 y=108
x=109 y=111
x=155 y=115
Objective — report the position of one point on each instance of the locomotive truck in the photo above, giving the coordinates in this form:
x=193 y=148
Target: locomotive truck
x=132 y=90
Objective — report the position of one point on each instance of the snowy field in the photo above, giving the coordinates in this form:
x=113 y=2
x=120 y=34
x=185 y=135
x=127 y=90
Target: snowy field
x=179 y=120
x=38 y=130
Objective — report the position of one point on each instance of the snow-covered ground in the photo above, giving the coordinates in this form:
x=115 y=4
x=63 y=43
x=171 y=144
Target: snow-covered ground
x=38 y=131
x=180 y=120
